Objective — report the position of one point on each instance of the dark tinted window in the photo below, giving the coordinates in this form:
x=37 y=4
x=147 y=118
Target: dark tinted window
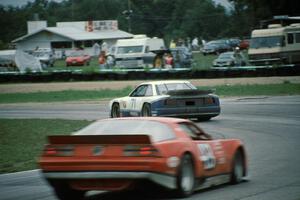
x=290 y=38
x=297 y=38
x=61 y=45
x=140 y=91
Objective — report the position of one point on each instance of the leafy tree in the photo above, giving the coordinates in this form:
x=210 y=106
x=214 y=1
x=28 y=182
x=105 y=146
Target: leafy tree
x=168 y=19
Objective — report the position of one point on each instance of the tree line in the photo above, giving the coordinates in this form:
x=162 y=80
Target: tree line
x=168 y=19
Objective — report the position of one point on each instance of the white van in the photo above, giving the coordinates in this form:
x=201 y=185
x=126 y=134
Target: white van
x=136 y=52
x=276 y=44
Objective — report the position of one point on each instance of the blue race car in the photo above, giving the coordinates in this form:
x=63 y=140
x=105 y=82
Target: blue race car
x=167 y=98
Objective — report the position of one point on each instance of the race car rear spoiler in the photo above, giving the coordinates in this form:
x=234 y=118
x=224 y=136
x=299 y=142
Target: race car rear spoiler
x=189 y=92
x=99 y=139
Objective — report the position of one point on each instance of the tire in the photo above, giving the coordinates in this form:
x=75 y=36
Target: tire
x=185 y=177
x=238 y=168
x=67 y=193
x=115 y=110
x=146 y=110
x=203 y=118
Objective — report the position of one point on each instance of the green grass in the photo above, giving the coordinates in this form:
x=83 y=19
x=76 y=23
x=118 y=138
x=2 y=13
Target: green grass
x=22 y=140
x=67 y=95
x=258 y=90
x=75 y=95
x=61 y=65
x=202 y=62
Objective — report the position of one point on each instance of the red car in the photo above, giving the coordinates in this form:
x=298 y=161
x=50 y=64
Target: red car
x=78 y=58
x=120 y=153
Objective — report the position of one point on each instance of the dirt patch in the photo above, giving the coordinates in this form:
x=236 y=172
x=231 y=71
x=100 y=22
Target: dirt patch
x=98 y=85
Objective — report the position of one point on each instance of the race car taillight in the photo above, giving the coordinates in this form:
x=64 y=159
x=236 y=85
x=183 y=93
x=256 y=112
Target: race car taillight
x=137 y=150
x=50 y=151
x=59 y=150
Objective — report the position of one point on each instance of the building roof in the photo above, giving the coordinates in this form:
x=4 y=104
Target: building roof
x=77 y=34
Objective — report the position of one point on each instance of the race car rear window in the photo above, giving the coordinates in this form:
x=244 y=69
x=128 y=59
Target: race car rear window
x=164 y=88
x=156 y=130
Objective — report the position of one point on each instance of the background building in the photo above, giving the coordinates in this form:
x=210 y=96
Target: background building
x=68 y=36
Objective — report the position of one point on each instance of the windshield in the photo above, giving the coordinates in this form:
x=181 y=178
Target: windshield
x=156 y=130
x=166 y=87
x=39 y=54
x=226 y=55
x=261 y=42
x=131 y=49
x=76 y=53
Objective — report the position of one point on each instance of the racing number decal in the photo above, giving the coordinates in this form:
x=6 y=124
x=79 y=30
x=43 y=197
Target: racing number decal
x=207 y=156
x=133 y=103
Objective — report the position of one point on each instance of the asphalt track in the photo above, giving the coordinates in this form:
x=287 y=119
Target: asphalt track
x=269 y=127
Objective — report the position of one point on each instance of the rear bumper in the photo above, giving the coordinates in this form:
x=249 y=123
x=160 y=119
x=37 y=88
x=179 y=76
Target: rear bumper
x=210 y=111
x=164 y=180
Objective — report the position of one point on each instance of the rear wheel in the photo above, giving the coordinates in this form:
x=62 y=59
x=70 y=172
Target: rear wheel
x=115 y=110
x=238 y=168
x=203 y=118
x=185 y=177
x=146 y=110
x=64 y=192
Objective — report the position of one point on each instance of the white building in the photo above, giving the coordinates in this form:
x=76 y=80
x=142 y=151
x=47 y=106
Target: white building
x=67 y=36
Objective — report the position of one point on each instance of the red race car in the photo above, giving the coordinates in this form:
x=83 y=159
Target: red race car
x=78 y=58
x=120 y=153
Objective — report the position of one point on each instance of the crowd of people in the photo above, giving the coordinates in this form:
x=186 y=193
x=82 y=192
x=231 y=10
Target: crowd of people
x=164 y=59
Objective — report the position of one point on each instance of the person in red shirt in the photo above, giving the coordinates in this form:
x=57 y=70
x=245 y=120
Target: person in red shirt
x=169 y=61
x=102 y=60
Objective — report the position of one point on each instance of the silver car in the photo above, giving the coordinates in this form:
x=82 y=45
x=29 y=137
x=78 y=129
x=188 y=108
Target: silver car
x=230 y=59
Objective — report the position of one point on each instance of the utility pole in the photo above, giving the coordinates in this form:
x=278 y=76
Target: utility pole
x=128 y=14
x=72 y=10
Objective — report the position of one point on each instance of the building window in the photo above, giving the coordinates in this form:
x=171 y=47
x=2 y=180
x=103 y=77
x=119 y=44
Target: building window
x=61 y=45
x=297 y=38
x=79 y=44
x=290 y=38
x=88 y=43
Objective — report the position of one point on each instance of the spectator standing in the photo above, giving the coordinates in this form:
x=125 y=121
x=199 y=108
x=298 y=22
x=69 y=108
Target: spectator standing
x=96 y=48
x=169 y=62
x=188 y=43
x=172 y=44
x=195 y=43
x=104 y=47
x=102 y=60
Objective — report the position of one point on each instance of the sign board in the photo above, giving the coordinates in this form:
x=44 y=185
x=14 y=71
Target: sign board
x=101 y=25
x=91 y=26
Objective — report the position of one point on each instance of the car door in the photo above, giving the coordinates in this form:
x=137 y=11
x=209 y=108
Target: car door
x=138 y=97
x=212 y=154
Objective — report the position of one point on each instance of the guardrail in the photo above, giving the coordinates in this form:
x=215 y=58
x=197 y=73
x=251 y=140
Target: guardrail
x=153 y=74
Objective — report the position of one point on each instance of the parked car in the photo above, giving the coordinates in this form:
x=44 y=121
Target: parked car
x=167 y=98
x=216 y=47
x=122 y=153
x=45 y=56
x=78 y=58
x=182 y=56
x=230 y=59
x=234 y=42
